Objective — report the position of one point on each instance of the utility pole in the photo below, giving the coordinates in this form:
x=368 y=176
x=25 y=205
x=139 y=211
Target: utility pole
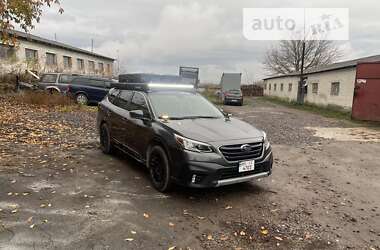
x=301 y=84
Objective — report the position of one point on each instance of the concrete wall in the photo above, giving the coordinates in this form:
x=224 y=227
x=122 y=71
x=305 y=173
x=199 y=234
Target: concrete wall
x=41 y=66
x=345 y=77
x=269 y=87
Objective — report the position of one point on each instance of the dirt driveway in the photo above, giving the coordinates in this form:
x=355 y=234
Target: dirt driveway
x=58 y=191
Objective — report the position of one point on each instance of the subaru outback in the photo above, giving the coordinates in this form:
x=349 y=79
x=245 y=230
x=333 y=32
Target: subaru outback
x=181 y=137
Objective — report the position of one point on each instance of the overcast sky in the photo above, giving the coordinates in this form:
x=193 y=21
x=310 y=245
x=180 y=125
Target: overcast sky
x=158 y=36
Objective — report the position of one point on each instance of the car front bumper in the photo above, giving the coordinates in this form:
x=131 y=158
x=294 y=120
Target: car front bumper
x=233 y=99
x=217 y=172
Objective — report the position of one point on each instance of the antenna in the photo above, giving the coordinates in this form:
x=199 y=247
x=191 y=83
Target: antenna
x=92 y=45
x=55 y=36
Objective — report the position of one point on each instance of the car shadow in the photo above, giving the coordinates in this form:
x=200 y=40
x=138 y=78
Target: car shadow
x=252 y=188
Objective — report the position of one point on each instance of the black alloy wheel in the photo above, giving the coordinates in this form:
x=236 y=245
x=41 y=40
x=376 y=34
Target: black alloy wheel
x=159 y=169
x=105 y=139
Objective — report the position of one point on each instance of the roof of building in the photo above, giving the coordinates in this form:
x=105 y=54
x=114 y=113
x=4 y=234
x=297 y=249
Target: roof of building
x=38 y=39
x=331 y=67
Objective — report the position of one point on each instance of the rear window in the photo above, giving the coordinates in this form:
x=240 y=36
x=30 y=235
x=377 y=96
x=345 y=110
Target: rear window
x=89 y=82
x=49 y=78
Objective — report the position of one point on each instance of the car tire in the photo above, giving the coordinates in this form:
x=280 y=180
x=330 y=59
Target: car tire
x=81 y=99
x=105 y=139
x=159 y=169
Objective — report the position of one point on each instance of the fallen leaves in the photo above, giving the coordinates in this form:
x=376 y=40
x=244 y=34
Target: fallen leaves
x=308 y=236
x=224 y=238
x=228 y=207
x=129 y=239
x=171 y=224
x=209 y=237
x=146 y=216
x=278 y=238
x=264 y=231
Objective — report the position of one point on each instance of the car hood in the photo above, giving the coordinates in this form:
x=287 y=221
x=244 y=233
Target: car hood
x=214 y=130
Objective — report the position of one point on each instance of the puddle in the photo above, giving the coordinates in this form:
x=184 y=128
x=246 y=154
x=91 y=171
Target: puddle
x=347 y=134
x=40 y=185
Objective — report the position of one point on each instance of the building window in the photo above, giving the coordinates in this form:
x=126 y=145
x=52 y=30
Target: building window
x=109 y=69
x=335 y=87
x=31 y=55
x=51 y=59
x=275 y=87
x=91 y=66
x=282 y=87
x=265 y=86
x=315 y=88
x=270 y=86
x=6 y=51
x=101 y=67
x=67 y=62
x=80 y=64
x=290 y=87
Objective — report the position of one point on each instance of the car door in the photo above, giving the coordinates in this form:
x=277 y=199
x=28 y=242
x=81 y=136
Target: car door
x=120 y=117
x=96 y=90
x=140 y=130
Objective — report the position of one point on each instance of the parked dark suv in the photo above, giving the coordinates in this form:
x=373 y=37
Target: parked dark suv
x=87 y=90
x=181 y=137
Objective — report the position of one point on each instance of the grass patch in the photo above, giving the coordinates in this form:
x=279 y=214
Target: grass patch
x=211 y=96
x=40 y=98
x=330 y=111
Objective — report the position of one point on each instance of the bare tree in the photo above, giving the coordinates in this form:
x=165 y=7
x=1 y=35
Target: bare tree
x=287 y=56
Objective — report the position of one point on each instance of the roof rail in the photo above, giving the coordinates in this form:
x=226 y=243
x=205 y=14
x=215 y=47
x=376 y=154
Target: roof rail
x=146 y=87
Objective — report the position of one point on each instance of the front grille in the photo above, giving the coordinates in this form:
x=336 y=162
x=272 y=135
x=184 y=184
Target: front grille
x=236 y=153
x=234 y=172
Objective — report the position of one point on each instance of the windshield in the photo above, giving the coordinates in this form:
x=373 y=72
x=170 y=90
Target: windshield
x=182 y=105
x=234 y=91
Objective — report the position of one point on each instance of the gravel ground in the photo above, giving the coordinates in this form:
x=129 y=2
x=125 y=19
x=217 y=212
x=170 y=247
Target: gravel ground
x=58 y=191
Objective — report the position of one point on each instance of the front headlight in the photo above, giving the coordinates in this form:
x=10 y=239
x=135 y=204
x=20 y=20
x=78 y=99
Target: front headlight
x=266 y=141
x=191 y=145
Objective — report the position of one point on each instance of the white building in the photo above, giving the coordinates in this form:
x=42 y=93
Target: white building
x=326 y=85
x=42 y=55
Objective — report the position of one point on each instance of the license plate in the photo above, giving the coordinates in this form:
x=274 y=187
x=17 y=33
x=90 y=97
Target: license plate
x=246 y=166
x=234 y=100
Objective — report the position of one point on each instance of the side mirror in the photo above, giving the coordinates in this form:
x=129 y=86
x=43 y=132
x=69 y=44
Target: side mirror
x=138 y=114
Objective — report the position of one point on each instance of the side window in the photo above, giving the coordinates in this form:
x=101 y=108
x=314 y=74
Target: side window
x=112 y=95
x=49 y=78
x=124 y=99
x=139 y=103
x=65 y=78
x=91 y=82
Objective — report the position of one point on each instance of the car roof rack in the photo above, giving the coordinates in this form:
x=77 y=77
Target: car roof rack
x=151 y=87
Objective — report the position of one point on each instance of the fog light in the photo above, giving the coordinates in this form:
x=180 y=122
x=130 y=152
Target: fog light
x=194 y=178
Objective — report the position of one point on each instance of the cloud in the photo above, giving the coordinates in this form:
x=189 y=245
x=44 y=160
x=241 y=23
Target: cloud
x=159 y=36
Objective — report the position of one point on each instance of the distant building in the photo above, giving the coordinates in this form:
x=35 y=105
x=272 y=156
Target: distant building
x=45 y=56
x=331 y=84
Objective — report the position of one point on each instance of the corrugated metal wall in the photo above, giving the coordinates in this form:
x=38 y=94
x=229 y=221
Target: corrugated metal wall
x=366 y=103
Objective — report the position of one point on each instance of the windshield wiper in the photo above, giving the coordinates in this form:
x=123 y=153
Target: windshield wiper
x=190 y=117
x=201 y=117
